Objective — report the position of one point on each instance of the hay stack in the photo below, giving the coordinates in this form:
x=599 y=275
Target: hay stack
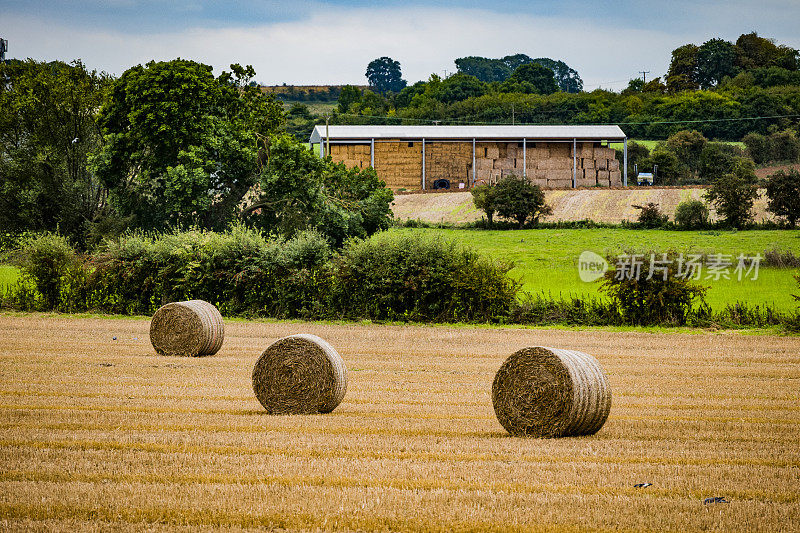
x=549 y=392
x=300 y=374
x=191 y=329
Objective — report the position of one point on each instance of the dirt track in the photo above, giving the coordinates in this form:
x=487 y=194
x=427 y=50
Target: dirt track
x=101 y=433
x=599 y=205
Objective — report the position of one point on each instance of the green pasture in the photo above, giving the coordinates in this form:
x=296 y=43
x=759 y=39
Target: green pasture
x=652 y=144
x=546 y=260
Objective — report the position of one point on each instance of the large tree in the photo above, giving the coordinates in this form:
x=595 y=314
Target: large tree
x=488 y=70
x=783 y=193
x=181 y=146
x=716 y=59
x=567 y=78
x=300 y=191
x=47 y=130
x=682 y=73
x=385 y=76
x=532 y=78
x=733 y=195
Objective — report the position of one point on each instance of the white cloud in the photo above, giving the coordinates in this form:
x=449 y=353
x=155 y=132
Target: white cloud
x=335 y=45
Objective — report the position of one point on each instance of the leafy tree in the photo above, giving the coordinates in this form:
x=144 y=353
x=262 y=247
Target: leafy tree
x=783 y=194
x=688 y=146
x=47 y=131
x=385 y=76
x=716 y=59
x=540 y=78
x=671 y=170
x=300 y=191
x=483 y=68
x=758 y=147
x=717 y=159
x=515 y=198
x=682 y=74
x=567 y=78
x=754 y=52
x=784 y=146
x=733 y=195
x=483 y=198
x=459 y=87
x=691 y=214
x=408 y=93
x=349 y=96
x=182 y=147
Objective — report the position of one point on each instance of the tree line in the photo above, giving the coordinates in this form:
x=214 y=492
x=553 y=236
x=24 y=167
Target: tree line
x=165 y=145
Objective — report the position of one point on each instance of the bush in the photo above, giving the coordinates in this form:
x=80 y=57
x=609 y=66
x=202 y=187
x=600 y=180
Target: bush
x=50 y=263
x=733 y=195
x=421 y=278
x=654 y=293
x=691 y=214
x=650 y=215
x=516 y=199
x=783 y=194
x=758 y=147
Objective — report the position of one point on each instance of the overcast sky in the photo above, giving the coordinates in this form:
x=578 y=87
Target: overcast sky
x=332 y=41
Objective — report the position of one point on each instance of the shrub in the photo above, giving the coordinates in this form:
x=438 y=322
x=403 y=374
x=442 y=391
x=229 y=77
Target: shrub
x=483 y=198
x=418 y=277
x=515 y=198
x=783 y=193
x=758 y=147
x=733 y=195
x=654 y=292
x=50 y=262
x=691 y=214
x=650 y=215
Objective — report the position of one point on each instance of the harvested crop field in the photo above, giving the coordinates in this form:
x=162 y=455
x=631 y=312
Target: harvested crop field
x=105 y=434
x=600 y=205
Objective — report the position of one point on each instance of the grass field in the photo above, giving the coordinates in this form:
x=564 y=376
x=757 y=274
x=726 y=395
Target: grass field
x=105 y=435
x=546 y=260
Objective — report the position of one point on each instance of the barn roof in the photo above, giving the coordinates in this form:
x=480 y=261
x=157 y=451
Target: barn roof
x=355 y=133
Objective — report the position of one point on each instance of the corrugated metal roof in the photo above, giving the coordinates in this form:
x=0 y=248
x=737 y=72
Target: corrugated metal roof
x=468 y=132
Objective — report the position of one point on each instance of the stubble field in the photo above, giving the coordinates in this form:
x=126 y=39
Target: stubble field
x=104 y=434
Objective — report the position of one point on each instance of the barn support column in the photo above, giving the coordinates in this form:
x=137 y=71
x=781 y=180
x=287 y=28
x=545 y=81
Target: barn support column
x=574 y=162
x=372 y=153
x=625 y=162
x=524 y=158
x=473 y=162
x=423 y=163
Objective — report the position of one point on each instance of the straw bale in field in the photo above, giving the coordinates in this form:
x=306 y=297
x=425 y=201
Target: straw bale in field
x=550 y=392
x=300 y=374
x=193 y=328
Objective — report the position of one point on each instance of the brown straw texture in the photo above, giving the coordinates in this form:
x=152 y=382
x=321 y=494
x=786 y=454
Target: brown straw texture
x=550 y=392
x=192 y=329
x=300 y=374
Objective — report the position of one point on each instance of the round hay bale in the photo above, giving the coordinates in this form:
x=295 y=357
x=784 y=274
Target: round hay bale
x=192 y=329
x=549 y=392
x=300 y=374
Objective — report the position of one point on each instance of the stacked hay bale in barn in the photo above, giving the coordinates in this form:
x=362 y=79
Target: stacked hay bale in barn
x=550 y=392
x=548 y=164
x=192 y=328
x=448 y=160
x=300 y=374
x=399 y=163
x=352 y=155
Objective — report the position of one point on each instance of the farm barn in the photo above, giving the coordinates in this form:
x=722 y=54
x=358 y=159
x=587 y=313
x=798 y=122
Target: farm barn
x=460 y=157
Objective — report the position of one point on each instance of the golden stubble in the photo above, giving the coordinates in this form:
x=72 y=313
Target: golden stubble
x=100 y=433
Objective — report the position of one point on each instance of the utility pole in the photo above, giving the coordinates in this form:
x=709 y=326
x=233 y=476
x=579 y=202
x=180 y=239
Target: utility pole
x=644 y=75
